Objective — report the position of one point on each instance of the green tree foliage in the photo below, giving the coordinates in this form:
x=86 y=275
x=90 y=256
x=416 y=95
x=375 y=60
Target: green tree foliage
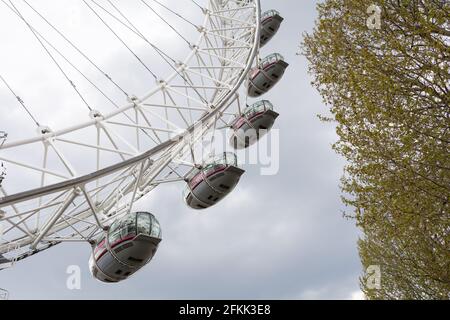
x=388 y=91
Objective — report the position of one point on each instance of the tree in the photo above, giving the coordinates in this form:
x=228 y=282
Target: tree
x=388 y=91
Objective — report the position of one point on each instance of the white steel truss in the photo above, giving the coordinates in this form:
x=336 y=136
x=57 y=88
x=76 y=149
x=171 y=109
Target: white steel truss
x=132 y=150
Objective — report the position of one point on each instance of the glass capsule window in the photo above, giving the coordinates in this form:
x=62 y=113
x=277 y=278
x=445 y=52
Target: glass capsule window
x=257 y=107
x=133 y=225
x=147 y=224
x=143 y=223
x=268 y=14
x=273 y=58
x=226 y=158
x=155 y=230
x=122 y=228
x=115 y=232
x=129 y=226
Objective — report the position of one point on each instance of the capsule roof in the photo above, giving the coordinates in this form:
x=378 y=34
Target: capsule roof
x=133 y=224
x=268 y=14
x=226 y=158
x=274 y=57
x=259 y=106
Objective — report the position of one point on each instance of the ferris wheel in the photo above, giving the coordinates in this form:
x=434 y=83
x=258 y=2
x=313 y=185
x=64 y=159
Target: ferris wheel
x=80 y=182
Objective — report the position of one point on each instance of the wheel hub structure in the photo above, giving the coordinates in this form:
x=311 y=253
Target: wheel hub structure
x=70 y=184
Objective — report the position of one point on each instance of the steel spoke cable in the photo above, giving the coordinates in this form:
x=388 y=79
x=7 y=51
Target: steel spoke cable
x=77 y=49
x=89 y=60
x=123 y=16
x=194 y=2
x=71 y=64
x=133 y=29
x=160 y=52
x=50 y=55
x=165 y=21
x=175 y=13
x=20 y=101
x=136 y=123
x=121 y=40
x=129 y=118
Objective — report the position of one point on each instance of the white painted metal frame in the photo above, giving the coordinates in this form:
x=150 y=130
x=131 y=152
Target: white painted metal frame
x=151 y=140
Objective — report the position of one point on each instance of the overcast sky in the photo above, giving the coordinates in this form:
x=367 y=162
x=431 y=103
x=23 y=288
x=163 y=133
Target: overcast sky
x=275 y=237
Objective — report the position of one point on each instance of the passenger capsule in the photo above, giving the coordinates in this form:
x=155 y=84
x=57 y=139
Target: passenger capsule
x=270 y=23
x=253 y=124
x=262 y=78
x=128 y=245
x=213 y=182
